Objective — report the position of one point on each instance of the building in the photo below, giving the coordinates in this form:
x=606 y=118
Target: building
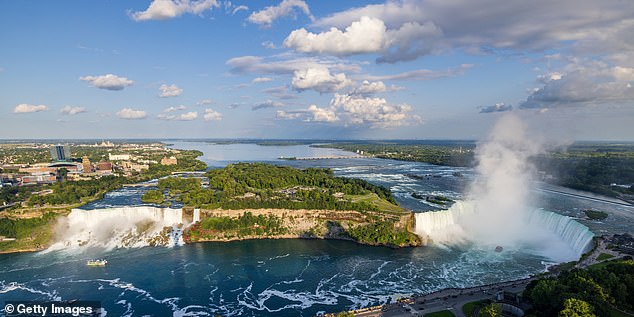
x=118 y=157
x=131 y=166
x=60 y=153
x=85 y=162
x=169 y=161
x=104 y=166
x=44 y=178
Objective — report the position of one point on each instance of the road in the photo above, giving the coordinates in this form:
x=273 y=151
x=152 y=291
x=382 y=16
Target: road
x=453 y=299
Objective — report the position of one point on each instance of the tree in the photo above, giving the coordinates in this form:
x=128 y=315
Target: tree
x=491 y=310
x=576 y=308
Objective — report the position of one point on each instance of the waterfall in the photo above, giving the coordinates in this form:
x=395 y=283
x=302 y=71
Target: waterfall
x=455 y=225
x=120 y=228
x=196 y=216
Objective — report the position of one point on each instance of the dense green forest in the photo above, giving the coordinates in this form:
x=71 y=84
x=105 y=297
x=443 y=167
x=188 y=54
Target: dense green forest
x=244 y=225
x=454 y=154
x=258 y=185
x=597 y=290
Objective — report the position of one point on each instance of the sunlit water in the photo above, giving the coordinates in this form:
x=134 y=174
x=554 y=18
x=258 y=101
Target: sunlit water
x=285 y=277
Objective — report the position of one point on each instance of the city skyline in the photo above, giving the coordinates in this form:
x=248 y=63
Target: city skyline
x=297 y=69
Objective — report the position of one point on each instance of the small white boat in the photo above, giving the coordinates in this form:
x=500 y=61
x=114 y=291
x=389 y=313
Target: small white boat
x=96 y=262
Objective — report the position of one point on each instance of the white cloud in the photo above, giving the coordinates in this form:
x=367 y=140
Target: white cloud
x=205 y=102
x=583 y=83
x=319 y=79
x=426 y=27
x=367 y=35
x=370 y=88
x=72 y=110
x=283 y=65
x=211 y=114
x=268 y=104
x=173 y=109
x=239 y=8
x=424 y=74
x=289 y=115
x=170 y=91
x=356 y=110
x=498 y=107
x=169 y=9
x=268 y=44
x=27 y=108
x=108 y=81
x=262 y=80
x=376 y=112
x=268 y=15
x=187 y=116
x=131 y=114
x=322 y=114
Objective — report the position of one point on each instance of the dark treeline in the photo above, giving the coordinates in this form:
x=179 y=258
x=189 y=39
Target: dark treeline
x=595 y=290
x=591 y=173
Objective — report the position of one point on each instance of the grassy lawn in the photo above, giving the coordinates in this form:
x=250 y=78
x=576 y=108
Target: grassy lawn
x=602 y=264
x=442 y=313
x=604 y=256
x=374 y=199
x=468 y=308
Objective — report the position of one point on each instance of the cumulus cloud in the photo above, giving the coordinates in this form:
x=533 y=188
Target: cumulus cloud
x=108 y=81
x=322 y=114
x=69 y=110
x=268 y=15
x=262 y=80
x=583 y=83
x=498 y=107
x=27 y=108
x=369 y=35
x=376 y=112
x=131 y=114
x=169 y=9
x=169 y=91
x=417 y=28
x=356 y=110
x=212 y=115
x=267 y=104
x=319 y=79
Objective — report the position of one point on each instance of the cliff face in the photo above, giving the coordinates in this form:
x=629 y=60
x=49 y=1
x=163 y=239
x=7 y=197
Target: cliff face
x=309 y=224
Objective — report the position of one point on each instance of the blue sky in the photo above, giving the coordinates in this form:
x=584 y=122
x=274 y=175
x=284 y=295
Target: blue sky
x=315 y=69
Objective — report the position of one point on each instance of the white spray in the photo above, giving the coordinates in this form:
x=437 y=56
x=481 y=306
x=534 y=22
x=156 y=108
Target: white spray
x=120 y=227
x=498 y=209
